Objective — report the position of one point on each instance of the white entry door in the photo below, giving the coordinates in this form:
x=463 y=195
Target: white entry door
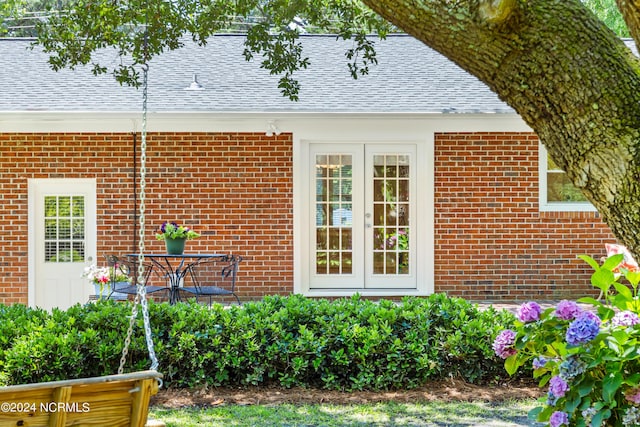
x=363 y=199
x=62 y=240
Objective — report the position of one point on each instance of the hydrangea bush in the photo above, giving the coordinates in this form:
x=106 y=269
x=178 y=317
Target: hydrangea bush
x=587 y=356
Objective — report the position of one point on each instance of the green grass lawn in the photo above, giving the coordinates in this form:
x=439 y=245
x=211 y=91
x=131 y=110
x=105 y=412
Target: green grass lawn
x=479 y=414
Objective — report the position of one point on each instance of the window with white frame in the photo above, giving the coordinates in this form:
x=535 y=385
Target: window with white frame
x=557 y=193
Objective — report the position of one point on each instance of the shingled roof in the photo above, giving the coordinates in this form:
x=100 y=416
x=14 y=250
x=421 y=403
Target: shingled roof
x=410 y=78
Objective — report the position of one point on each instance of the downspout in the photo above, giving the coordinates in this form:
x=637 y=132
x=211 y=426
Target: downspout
x=134 y=248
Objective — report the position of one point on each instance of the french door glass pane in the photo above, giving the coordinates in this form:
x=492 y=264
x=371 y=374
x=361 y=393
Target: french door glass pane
x=334 y=213
x=391 y=225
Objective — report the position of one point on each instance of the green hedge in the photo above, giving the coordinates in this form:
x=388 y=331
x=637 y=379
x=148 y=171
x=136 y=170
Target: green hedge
x=345 y=344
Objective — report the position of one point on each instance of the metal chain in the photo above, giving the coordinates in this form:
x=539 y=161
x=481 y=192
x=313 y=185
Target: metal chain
x=141 y=295
x=127 y=340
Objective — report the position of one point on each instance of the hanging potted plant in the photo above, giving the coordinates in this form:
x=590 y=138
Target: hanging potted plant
x=175 y=237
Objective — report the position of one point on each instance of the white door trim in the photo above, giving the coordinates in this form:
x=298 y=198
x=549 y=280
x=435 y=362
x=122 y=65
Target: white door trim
x=424 y=142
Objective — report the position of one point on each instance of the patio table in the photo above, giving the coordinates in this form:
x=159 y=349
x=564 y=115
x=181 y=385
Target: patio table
x=176 y=267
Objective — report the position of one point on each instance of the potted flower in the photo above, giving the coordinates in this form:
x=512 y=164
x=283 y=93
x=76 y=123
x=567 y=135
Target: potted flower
x=102 y=277
x=175 y=236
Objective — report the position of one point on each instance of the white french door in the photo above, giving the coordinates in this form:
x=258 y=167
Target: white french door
x=362 y=199
x=337 y=208
x=390 y=216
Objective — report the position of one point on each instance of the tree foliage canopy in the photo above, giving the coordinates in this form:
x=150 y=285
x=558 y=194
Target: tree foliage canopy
x=142 y=29
x=607 y=11
x=567 y=74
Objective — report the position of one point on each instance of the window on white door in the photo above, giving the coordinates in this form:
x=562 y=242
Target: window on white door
x=334 y=214
x=391 y=211
x=362 y=202
x=64 y=225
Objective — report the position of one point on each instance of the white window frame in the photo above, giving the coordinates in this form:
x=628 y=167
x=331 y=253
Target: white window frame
x=544 y=204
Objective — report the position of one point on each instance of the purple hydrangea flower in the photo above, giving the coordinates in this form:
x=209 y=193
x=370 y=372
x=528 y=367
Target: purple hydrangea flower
x=567 y=310
x=539 y=362
x=558 y=419
x=558 y=387
x=503 y=344
x=529 y=312
x=625 y=318
x=583 y=329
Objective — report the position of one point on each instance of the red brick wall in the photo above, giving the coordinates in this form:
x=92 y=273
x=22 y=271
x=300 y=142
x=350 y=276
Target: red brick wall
x=234 y=189
x=492 y=242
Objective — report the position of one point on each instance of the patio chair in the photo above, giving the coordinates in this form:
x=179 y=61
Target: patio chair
x=215 y=277
x=129 y=267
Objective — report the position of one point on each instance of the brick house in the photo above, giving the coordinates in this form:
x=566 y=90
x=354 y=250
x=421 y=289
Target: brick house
x=413 y=180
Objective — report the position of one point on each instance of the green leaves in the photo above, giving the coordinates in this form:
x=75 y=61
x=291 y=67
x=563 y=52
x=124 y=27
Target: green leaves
x=139 y=30
x=344 y=344
x=607 y=11
x=585 y=387
x=602 y=370
x=602 y=279
x=282 y=55
x=512 y=363
x=361 y=56
x=589 y=260
x=610 y=385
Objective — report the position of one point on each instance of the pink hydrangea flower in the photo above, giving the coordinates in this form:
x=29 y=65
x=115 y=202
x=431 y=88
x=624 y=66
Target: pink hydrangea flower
x=503 y=344
x=567 y=310
x=529 y=312
x=633 y=395
x=625 y=318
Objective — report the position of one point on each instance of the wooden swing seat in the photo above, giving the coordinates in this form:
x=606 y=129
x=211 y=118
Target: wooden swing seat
x=112 y=400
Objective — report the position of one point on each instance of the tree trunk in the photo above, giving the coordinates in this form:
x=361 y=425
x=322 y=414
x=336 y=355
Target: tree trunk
x=569 y=77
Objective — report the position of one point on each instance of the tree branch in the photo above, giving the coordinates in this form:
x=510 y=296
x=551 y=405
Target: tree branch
x=496 y=12
x=631 y=13
x=567 y=75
